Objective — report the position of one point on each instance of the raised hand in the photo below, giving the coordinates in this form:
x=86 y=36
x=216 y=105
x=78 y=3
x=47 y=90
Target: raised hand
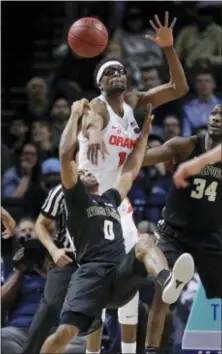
x=80 y=107
x=147 y=127
x=164 y=33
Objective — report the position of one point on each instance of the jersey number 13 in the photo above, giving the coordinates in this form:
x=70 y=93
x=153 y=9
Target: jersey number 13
x=202 y=190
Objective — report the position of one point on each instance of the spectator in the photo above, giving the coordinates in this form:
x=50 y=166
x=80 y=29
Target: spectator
x=17 y=135
x=38 y=102
x=171 y=127
x=150 y=78
x=20 y=295
x=200 y=43
x=114 y=50
x=197 y=111
x=41 y=136
x=140 y=51
x=18 y=178
x=60 y=113
x=50 y=173
x=22 y=181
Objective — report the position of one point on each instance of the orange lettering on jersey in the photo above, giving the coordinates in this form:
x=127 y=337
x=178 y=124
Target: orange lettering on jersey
x=122 y=142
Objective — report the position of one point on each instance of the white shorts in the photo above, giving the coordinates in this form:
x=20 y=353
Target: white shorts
x=130 y=232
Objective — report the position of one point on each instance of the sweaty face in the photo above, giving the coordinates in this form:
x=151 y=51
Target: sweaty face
x=114 y=79
x=215 y=123
x=88 y=179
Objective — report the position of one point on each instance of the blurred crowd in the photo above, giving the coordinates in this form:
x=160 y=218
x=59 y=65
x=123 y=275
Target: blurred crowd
x=31 y=135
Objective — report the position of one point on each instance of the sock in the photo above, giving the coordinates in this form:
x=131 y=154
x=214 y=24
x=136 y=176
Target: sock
x=89 y=352
x=151 y=350
x=163 y=276
x=128 y=348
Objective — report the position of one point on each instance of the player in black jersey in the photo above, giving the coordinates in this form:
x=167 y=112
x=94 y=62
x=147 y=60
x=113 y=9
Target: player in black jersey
x=192 y=219
x=107 y=277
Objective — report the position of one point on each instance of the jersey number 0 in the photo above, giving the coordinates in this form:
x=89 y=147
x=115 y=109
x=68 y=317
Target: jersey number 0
x=108 y=230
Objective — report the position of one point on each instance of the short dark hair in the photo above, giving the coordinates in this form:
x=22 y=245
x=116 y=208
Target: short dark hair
x=98 y=66
x=149 y=68
x=204 y=71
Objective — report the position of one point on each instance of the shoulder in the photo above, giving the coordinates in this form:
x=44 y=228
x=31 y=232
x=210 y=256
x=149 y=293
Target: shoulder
x=112 y=196
x=98 y=105
x=182 y=147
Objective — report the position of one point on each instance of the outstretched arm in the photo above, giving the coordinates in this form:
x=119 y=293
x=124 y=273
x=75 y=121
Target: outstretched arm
x=8 y=222
x=192 y=167
x=176 y=149
x=134 y=161
x=69 y=173
x=177 y=86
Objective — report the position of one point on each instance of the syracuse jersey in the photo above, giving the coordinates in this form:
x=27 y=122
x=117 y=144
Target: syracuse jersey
x=120 y=137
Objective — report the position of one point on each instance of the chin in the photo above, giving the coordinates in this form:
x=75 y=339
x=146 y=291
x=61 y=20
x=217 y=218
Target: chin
x=117 y=89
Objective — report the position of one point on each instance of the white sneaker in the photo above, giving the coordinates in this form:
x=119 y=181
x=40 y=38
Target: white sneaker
x=182 y=273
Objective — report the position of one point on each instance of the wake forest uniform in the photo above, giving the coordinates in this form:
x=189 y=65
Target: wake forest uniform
x=57 y=280
x=193 y=223
x=106 y=276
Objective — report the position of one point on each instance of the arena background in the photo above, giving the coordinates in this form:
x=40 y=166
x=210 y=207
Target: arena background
x=41 y=78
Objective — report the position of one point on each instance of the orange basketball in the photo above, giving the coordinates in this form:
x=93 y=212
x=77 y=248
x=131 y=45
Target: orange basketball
x=88 y=37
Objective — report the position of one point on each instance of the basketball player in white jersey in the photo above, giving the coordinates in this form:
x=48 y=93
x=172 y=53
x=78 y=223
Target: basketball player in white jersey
x=109 y=135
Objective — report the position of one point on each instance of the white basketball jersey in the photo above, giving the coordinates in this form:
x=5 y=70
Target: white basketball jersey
x=119 y=137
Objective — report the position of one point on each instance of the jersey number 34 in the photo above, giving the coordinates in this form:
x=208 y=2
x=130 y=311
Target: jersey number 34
x=202 y=190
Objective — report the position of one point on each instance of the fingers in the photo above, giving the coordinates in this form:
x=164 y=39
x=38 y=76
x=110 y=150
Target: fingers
x=6 y=234
x=173 y=23
x=158 y=21
x=153 y=25
x=166 y=20
x=149 y=109
x=148 y=36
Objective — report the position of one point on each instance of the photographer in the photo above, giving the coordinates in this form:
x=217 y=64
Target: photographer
x=21 y=293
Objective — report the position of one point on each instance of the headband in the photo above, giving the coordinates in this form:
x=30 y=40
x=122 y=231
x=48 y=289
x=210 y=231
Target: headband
x=104 y=67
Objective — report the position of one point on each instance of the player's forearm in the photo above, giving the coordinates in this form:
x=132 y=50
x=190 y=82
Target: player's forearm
x=177 y=74
x=10 y=289
x=7 y=219
x=44 y=237
x=69 y=137
x=210 y=157
x=136 y=158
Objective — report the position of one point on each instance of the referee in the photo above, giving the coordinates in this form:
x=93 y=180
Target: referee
x=52 y=217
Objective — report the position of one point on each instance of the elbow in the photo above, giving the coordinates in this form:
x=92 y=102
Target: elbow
x=180 y=90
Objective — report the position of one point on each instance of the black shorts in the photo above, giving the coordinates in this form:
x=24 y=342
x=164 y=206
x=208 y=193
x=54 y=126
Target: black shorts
x=96 y=286
x=206 y=251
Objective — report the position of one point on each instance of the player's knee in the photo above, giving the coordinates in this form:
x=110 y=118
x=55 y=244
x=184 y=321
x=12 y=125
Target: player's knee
x=143 y=246
x=128 y=314
x=65 y=333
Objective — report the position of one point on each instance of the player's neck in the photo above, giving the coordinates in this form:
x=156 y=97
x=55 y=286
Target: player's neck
x=94 y=190
x=116 y=101
x=209 y=143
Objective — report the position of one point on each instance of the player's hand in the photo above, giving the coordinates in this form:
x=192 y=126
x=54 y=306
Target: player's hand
x=9 y=228
x=60 y=257
x=164 y=33
x=184 y=171
x=96 y=146
x=147 y=126
x=80 y=107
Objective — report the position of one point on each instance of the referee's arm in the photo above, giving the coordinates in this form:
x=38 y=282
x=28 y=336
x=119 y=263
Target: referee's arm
x=45 y=223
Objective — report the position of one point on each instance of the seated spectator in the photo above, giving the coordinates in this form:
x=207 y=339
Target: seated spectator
x=17 y=135
x=20 y=294
x=196 y=111
x=151 y=78
x=200 y=42
x=38 y=101
x=114 y=50
x=60 y=113
x=23 y=181
x=171 y=127
x=140 y=51
x=50 y=173
x=41 y=136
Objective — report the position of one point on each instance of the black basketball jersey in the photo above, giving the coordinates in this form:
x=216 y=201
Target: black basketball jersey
x=199 y=206
x=94 y=224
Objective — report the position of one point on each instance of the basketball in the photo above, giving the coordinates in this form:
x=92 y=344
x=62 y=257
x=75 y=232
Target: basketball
x=88 y=37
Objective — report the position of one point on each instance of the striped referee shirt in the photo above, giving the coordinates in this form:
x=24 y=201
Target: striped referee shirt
x=55 y=208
